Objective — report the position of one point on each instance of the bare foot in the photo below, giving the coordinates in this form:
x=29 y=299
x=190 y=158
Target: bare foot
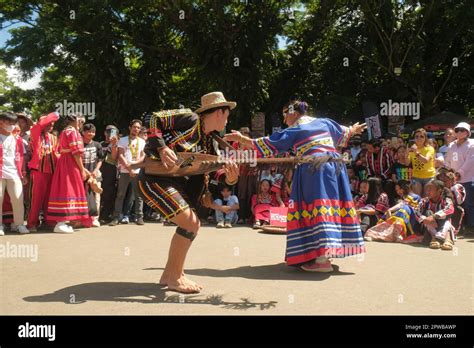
x=184 y=285
x=165 y=278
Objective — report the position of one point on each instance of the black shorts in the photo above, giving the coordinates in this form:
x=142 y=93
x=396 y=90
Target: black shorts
x=170 y=196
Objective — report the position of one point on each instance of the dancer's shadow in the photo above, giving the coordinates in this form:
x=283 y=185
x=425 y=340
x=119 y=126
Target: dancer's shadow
x=139 y=293
x=266 y=272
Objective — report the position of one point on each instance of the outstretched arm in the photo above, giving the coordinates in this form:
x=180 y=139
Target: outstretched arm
x=239 y=138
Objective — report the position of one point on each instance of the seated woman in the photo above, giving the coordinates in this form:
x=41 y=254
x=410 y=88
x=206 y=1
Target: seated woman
x=436 y=211
x=262 y=202
x=372 y=206
x=448 y=177
x=399 y=223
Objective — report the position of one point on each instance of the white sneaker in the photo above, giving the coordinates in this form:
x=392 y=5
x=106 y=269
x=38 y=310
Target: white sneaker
x=61 y=227
x=18 y=228
x=22 y=229
x=96 y=223
x=2 y=232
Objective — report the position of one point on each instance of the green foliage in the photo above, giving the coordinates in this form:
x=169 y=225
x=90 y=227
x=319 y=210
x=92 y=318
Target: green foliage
x=131 y=57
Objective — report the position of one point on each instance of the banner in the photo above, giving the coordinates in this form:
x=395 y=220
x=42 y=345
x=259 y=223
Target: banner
x=278 y=216
x=373 y=126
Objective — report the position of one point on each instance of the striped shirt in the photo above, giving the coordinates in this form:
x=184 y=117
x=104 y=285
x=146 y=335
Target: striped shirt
x=379 y=164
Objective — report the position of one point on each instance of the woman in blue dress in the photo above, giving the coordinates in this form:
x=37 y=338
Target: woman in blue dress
x=322 y=220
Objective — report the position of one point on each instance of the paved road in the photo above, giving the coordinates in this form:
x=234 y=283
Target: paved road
x=114 y=270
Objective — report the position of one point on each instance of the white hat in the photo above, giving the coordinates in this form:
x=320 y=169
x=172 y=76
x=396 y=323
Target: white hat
x=464 y=125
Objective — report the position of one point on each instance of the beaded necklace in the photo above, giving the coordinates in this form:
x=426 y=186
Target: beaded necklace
x=264 y=197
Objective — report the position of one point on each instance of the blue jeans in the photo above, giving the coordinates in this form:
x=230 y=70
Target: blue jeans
x=469 y=203
x=231 y=217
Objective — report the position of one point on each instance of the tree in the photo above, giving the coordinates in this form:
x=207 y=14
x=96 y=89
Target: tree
x=133 y=57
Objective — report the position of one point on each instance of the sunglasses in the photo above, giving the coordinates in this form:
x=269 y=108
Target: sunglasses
x=419 y=136
x=459 y=130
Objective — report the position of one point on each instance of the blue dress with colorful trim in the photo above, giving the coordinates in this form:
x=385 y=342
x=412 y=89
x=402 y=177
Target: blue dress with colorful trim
x=322 y=220
x=405 y=216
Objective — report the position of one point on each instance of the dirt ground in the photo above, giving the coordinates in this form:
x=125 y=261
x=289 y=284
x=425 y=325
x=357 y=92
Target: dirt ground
x=115 y=270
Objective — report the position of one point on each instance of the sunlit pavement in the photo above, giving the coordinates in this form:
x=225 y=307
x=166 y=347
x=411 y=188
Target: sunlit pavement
x=115 y=270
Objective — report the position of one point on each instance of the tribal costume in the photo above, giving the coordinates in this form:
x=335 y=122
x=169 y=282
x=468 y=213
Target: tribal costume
x=43 y=161
x=442 y=211
x=180 y=130
x=322 y=220
x=67 y=199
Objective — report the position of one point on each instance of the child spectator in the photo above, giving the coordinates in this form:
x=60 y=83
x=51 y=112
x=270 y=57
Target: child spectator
x=261 y=204
x=360 y=165
x=448 y=177
x=226 y=208
x=362 y=193
x=436 y=211
x=372 y=206
x=354 y=180
x=402 y=168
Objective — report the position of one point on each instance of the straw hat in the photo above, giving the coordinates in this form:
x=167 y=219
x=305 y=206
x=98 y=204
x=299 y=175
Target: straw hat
x=214 y=100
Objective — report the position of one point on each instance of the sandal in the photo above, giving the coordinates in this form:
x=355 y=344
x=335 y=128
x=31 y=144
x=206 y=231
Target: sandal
x=434 y=244
x=447 y=245
x=317 y=267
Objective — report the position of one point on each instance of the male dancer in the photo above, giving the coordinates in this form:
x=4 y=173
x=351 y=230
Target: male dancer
x=177 y=198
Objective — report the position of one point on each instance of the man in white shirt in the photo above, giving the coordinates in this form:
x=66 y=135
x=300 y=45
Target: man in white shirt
x=12 y=171
x=460 y=158
x=131 y=151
